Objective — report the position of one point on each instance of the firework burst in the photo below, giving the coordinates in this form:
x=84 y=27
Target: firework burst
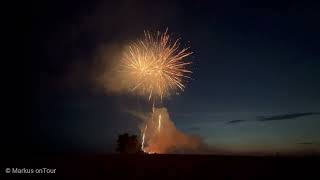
x=155 y=65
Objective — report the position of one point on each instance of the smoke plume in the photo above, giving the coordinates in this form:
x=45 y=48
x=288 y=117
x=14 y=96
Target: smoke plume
x=162 y=136
x=107 y=73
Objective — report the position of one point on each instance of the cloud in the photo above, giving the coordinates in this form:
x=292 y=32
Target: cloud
x=235 y=121
x=305 y=143
x=309 y=143
x=194 y=128
x=286 y=116
x=275 y=117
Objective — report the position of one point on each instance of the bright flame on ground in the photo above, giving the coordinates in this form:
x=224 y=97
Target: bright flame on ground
x=155 y=65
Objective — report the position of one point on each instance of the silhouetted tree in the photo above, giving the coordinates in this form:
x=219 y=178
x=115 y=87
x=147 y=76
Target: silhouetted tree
x=128 y=144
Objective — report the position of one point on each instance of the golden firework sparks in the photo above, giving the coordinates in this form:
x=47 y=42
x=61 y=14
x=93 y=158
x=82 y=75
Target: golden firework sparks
x=155 y=66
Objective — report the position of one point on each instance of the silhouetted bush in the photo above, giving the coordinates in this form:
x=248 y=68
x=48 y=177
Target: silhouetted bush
x=128 y=144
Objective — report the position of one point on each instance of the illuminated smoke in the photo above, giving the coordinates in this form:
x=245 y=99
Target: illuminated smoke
x=166 y=138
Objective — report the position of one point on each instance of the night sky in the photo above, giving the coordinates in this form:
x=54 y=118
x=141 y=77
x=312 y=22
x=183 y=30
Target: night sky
x=255 y=86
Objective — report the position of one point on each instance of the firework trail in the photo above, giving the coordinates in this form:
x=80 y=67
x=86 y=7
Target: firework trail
x=155 y=66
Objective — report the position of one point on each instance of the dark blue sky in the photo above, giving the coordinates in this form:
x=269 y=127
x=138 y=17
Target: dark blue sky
x=256 y=73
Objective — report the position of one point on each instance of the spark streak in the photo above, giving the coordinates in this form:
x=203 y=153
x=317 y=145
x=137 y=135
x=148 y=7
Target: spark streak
x=143 y=137
x=159 y=122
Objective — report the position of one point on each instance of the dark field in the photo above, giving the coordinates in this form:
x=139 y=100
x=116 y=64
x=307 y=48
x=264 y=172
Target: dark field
x=169 y=166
